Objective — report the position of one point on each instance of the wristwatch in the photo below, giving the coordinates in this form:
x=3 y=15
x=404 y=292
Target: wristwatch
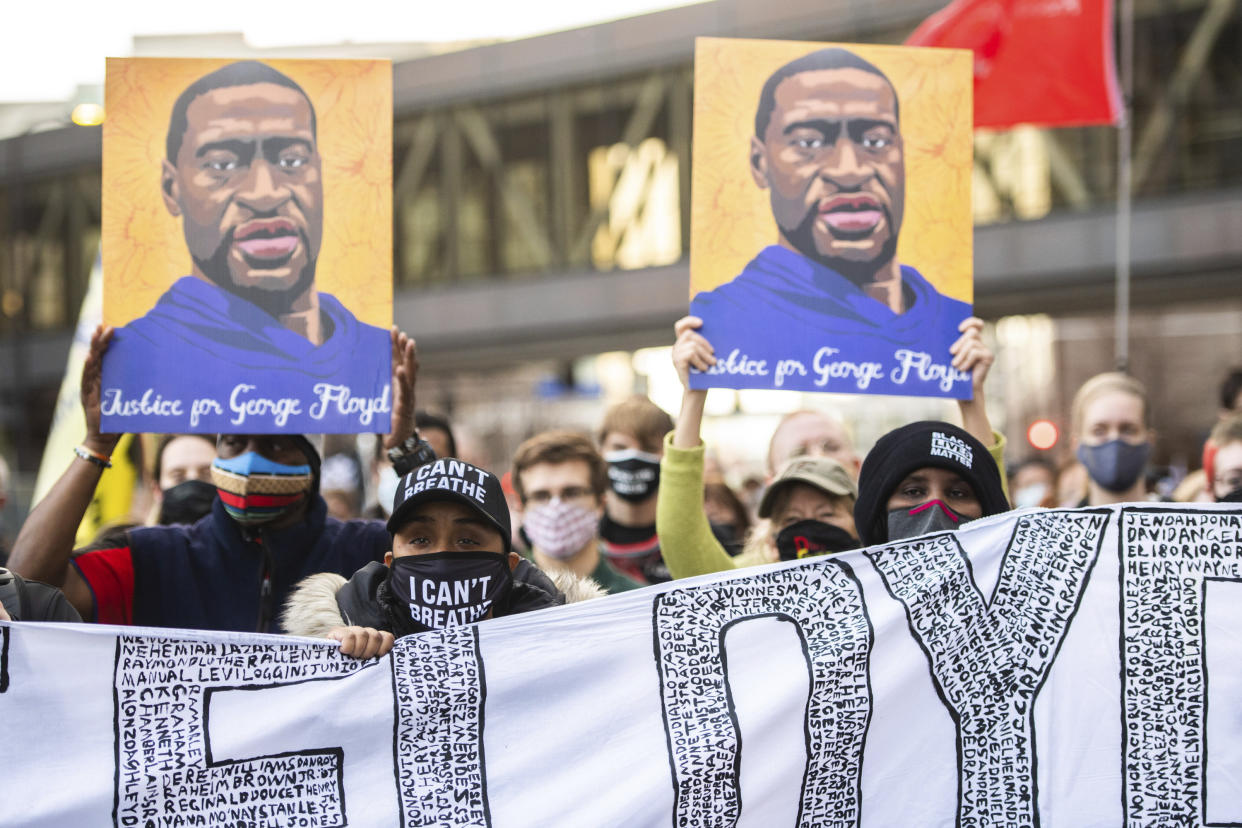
x=411 y=454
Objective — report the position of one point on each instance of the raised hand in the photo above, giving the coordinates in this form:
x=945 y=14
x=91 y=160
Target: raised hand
x=691 y=350
x=971 y=354
x=92 y=371
x=404 y=375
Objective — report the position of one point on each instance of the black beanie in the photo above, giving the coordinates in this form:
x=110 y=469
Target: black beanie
x=916 y=446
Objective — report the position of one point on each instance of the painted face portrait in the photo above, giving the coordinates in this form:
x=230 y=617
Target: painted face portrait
x=809 y=268
x=832 y=160
x=246 y=181
x=231 y=301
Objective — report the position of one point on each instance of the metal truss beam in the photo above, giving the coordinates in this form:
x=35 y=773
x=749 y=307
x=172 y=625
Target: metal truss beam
x=1194 y=59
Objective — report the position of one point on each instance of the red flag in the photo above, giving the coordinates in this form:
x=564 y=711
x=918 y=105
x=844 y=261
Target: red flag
x=1045 y=62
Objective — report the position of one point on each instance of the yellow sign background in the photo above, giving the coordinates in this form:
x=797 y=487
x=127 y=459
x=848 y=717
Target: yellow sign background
x=143 y=248
x=731 y=219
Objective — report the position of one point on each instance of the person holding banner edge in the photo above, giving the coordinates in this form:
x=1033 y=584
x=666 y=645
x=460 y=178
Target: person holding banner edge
x=689 y=552
x=452 y=563
x=233 y=568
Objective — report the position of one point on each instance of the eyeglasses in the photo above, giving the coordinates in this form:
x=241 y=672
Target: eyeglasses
x=542 y=497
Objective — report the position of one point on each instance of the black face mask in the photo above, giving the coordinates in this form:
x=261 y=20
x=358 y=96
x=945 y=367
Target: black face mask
x=728 y=537
x=187 y=502
x=1234 y=496
x=634 y=475
x=448 y=589
x=808 y=538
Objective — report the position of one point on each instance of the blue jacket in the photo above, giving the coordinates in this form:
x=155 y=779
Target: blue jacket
x=213 y=576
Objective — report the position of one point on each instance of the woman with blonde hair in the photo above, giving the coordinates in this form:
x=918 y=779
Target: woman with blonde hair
x=1113 y=437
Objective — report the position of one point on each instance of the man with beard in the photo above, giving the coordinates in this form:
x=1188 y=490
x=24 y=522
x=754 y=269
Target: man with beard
x=243 y=172
x=828 y=148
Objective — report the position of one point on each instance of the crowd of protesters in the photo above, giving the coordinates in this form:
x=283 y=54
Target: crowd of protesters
x=297 y=534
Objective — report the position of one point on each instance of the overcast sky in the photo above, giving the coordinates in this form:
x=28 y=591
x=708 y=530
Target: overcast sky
x=48 y=47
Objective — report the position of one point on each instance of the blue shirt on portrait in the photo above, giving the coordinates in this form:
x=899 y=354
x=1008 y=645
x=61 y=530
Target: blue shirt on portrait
x=201 y=342
x=784 y=306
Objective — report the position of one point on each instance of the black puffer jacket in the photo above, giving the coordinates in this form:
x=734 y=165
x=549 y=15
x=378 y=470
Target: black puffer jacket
x=33 y=600
x=366 y=601
x=324 y=601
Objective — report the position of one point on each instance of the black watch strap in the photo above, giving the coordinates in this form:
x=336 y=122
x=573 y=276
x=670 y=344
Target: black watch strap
x=410 y=455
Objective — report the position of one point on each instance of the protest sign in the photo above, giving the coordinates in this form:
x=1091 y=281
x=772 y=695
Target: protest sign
x=831 y=223
x=1056 y=668
x=247 y=245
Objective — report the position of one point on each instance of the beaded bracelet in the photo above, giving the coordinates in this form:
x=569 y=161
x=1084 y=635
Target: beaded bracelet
x=101 y=460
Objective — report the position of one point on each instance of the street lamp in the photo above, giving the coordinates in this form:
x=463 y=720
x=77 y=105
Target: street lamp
x=87 y=113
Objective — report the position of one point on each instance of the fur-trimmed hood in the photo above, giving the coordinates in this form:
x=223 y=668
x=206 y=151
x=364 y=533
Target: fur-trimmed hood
x=326 y=600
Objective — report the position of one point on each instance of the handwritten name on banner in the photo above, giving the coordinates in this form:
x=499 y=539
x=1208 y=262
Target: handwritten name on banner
x=1072 y=667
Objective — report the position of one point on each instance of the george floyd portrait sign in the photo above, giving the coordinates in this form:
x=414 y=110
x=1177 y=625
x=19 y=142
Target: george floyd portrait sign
x=247 y=245
x=831 y=218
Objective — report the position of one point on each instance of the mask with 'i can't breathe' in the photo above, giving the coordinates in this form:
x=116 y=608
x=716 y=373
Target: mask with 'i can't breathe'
x=448 y=589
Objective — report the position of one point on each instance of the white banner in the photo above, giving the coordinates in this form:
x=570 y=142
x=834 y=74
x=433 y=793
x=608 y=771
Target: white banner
x=1055 y=668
